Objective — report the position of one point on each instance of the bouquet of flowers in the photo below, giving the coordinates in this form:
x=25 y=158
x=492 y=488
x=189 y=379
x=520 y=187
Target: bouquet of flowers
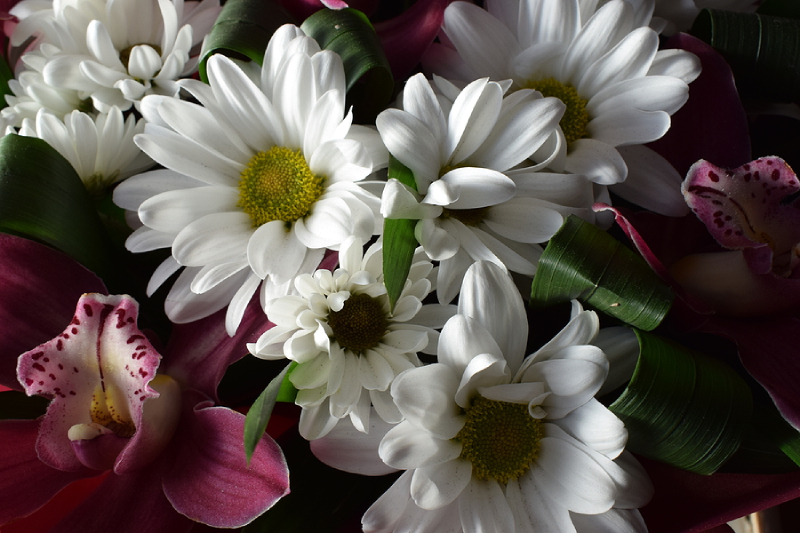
x=512 y=265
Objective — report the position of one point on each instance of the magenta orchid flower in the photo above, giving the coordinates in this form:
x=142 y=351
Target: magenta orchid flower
x=174 y=458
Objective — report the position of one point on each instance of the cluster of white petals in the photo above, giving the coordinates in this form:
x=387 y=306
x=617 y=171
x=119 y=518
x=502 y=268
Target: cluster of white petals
x=461 y=145
x=621 y=89
x=100 y=149
x=227 y=155
x=347 y=363
x=578 y=478
x=113 y=51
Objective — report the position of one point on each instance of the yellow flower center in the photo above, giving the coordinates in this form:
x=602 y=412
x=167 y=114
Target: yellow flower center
x=109 y=409
x=278 y=185
x=361 y=323
x=500 y=439
x=575 y=118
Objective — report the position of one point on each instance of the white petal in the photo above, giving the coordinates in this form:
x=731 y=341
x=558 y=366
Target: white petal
x=652 y=182
x=677 y=63
x=144 y=62
x=420 y=101
x=406 y=447
x=597 y=160
x=650 y=93
x=472 y=118
x=346 y=448
x=629 y=126
x=483 y=507
x=437 y=485
x=275 y=251
x=172 y=211
x=213 y=238
x=523 y=220
x=541 y=510
x=316 y=422
x=462 y=339
x=410 y=141
x=597 y=427
x=629 y=59
x=490 y=297
x=488 y=55
x=425 y=397
x=470 y=188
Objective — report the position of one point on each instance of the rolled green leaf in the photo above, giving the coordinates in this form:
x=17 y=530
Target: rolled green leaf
x=349 y=33
x=780 y=8
x=243 y=30
x=399 y=242
x=585 y=263
x=43 y=199
x=763 y=51
x=683 y=408
x=258 y=416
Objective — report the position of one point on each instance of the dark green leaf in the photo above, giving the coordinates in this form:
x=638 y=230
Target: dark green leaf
x=6 y=74
x=287 y=392
x=399 y=242
x=682 y=407
x=763 y=51
x=780 y=8
x=17 y=405
x=585 y=263
x=369 y=77
x=42 y=198
x=258 y=416
x=243 y=30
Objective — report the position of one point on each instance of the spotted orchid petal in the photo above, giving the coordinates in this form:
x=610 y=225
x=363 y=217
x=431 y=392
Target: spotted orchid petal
x=97 y=371
x=751 y=208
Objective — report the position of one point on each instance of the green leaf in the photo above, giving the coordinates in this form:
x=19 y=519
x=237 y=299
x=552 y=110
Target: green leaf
x=42 y=198
x=17 y=405
x=349 y=33
x=763 y=51
x=6 y=74
x=682 y=407
x=287 y=392
x=585 y=263
x=243 y=30
x=258 y=416
x=399 y=242
x=780 y=8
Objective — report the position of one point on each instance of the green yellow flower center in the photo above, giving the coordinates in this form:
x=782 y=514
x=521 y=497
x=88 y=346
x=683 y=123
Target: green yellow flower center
x=575 y=118
x=108 y=409
x=468 y=217
x=278 y=185
x=360 y=324
x=500 y=439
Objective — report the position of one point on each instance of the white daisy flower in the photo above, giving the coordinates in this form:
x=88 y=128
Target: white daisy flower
x=492 y=442
x=115 y=51
x=602 y=60
x=347 y=340
x=260 y=179
x=460 y=149
x=101 y=150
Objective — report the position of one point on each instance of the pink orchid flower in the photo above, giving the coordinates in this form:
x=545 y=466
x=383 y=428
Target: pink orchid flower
x=171 y=457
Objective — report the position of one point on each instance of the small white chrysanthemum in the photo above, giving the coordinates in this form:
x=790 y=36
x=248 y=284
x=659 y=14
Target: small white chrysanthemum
x=114 y=51
x=260 y=179
x=492 y=442
x=602 y=62
x=460 y=147
x=101 y=150
x=347 y=340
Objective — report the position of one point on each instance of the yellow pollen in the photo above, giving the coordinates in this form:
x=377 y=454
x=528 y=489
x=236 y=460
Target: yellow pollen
x=500 y=439
x=575 y=118
x=278 y=185
x=108 y=411
x=360 y=324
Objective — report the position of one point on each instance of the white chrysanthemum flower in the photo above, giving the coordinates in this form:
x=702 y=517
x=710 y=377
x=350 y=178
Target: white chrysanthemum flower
x=101 y=150
x=347 y=340
x=492 y=442
x=602 y=60
x=260 y=179
x=115 y=51
x=469 y=205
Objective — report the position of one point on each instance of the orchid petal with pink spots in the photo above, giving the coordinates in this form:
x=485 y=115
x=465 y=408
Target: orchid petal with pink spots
x=752 y=208
x=97 y=371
